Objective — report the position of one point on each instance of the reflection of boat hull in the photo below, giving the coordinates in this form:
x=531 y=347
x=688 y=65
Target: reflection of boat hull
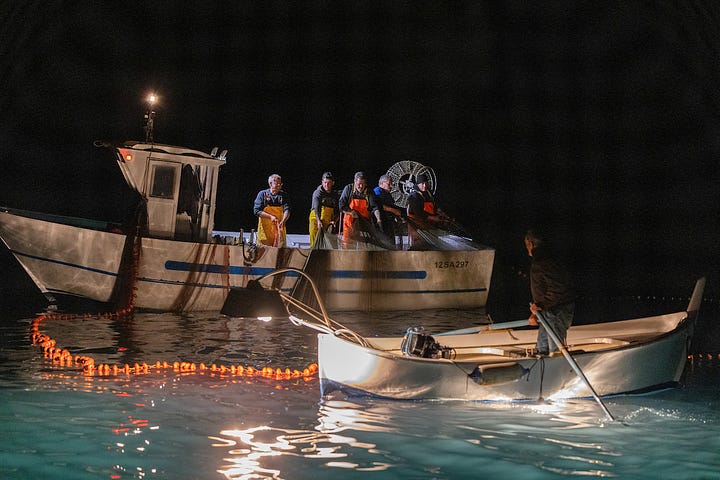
x=617 y=357
x=64 y=258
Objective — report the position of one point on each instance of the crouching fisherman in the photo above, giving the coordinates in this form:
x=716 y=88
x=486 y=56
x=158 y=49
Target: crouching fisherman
x=324 y=212
x=358 y=204
x=423 y=215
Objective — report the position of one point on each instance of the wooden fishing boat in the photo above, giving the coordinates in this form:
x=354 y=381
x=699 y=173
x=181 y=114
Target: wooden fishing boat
x=173 y=260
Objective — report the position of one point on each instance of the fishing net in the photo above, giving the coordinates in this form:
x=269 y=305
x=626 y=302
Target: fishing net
x=366 y=236
x=321 y=259
x=316 y=267
x=447 y=235
x=324 y=240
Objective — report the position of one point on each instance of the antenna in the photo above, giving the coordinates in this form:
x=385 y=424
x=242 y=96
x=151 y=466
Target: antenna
x=150 y=118
x=214 y=151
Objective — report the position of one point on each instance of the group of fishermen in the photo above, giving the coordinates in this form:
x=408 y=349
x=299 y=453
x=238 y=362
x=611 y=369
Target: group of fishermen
x=365 y=215
x=369 y=214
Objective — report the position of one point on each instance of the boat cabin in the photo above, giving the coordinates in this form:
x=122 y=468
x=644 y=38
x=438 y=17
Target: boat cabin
x=179 y=185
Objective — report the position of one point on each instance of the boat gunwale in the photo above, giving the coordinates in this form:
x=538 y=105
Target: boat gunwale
x=396 y=353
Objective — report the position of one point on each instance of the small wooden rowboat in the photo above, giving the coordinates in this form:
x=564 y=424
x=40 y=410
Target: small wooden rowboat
x=629 y=356
x=498 y=363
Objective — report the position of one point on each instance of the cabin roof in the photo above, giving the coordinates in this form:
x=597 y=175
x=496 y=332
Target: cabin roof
x=169 y=149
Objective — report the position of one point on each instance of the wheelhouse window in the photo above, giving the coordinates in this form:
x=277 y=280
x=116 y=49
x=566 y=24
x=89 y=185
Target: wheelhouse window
x=163 y=185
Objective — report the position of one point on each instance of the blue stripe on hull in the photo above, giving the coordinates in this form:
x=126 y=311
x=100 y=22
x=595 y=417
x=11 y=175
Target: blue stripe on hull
x=336 y=292
x=390 y=275
x=219 y=269
x=243 y=270
x=258 y=271
x=416 y=291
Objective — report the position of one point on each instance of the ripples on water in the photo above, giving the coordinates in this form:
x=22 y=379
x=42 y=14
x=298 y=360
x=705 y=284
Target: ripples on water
x=60 y=424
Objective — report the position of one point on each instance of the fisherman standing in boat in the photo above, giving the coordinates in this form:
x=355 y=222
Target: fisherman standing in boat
x=357 y=203
x=422 y=213
x=392 y=215
x=553 y=294
x=273 y=211
x=421 y=205
x=324 y=212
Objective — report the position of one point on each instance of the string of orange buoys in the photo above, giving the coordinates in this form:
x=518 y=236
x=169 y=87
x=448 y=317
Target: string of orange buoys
x=698 y=357
x=62 y=357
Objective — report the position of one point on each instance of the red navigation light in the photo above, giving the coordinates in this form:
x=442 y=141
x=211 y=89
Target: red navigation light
x=128 y=157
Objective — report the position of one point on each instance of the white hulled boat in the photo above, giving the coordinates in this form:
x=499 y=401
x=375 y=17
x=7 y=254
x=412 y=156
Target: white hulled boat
x=493 y=362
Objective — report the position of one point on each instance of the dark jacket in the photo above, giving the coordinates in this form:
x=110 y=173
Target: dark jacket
x=264 y=198
x=550 y=282
x=416 y=203
x=349 y=192
x=385 y=198
x=323 y=198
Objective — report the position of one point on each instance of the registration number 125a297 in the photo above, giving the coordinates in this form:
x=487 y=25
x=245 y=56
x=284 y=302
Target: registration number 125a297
x=452 y=264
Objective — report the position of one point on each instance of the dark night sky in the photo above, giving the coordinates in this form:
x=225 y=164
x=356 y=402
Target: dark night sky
x=598 y=122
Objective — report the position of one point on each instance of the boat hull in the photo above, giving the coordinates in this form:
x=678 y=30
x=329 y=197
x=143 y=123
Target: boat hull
x=612 y=366
x=167 y=275
x=63 y=259
x=381 y=280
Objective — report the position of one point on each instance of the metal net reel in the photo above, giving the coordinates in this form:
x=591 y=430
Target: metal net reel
x=404 y=175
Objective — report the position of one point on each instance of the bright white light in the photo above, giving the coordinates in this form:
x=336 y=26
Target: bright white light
x=264 y=319
x=152 y=98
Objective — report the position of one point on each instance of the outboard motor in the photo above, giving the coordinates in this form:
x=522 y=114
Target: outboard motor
x=417 y=344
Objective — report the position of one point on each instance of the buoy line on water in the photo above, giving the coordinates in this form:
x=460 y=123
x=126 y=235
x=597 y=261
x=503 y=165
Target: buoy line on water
x=63 y=358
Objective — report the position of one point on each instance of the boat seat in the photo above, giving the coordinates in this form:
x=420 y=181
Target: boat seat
x=484 y=353
x=595 y=344
x=639 y=338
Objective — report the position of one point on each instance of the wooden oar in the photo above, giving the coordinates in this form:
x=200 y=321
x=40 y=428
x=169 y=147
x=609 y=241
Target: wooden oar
x=482 y=328
x=573 y=363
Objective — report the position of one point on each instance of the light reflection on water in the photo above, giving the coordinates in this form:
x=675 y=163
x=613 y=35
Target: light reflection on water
x=260 y=442
x=409 y=438
x=60 y=424
x=331 y=441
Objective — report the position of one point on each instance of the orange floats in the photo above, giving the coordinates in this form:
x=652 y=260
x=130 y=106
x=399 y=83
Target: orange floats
x=106 y=370
x=703 y=356
x=63 y=358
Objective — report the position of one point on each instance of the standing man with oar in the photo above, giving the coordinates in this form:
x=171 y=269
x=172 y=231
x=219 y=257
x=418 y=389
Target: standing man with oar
x=553 y=294
x=553 y=305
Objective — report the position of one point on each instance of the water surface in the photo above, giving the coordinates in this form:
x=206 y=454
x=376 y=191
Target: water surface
x=59 y=424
